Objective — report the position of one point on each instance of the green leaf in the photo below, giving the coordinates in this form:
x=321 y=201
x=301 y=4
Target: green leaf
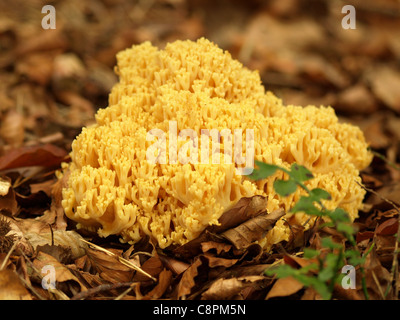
x=327 y=242
x=281 y=271
x=264 y=170
x=310 y=253
x=306 y=204
x=339 y=215
x=300 y=173
x=319 y=194
x=285 y=187
x=354 y=257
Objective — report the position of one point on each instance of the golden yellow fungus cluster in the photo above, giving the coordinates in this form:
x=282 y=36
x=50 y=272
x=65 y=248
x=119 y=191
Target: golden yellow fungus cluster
x=113 y=188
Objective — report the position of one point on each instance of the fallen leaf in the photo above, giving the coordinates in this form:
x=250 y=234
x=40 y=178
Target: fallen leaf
x=152 y=266
x=388 y=227
x=253 y=229
x=219 y=247
x=109 y=267
x=284 y=287
x=164 y=281
x=187 y=281
x=62 y=273
x=11 y=287
x=176 y=266
x=223 y=289
x=214 y=262
x=243 y=210
x=377 y=278
x=8 y=202
x=40 y=155
x=5 y=185
x=12 y=128
x=385 y=83
x=67 y=239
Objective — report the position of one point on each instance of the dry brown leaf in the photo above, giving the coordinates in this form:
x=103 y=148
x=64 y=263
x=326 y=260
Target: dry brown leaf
x=62 y=273
x=12 y=128
x=66 y=239
x=8 y=202
x=5 y=184
x=253 y=229
x=11 y=287
x=385 y=82
x=389 y=227
x=153 y=266
x=284 y=287
x=222 y=289
x=214 y=262
x=219 y=247
x=40 y=155
x=187 y=281
x=164 y=281
x=109 y=267
x=245 y=208
x=176 y=266
x=376 y=276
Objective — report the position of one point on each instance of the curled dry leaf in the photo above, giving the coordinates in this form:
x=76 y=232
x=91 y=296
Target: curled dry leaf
x=228 y=288
x=253 y=229
x=176 y=266
x=245 y=209
x=187 y=281
x=164 y=281
x=63 y=274
x=152 y=266
x=66 y=239
x=109 y=267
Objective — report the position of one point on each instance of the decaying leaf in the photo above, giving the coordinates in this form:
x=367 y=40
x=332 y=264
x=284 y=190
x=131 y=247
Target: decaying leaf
x=223 y=289
x=11 y=288
x=39 y=155
x=163 y=283
x=245 y=209
x=109 y=267
x=284 y=287
x=5 y=185
x=187 y=281
x=253 y=229
x=62 y=273
x=66 y=239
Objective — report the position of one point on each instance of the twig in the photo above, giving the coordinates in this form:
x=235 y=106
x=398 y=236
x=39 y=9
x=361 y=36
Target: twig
x=8 y=255
x=101 y=288
x=378 y=285
x=121 y=259
x=382 y=157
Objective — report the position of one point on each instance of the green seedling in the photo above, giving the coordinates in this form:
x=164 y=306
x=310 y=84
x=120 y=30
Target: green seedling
x=324 y=270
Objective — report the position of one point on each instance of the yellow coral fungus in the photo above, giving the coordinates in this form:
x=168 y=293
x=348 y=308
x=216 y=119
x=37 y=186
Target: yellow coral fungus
x=195 y=85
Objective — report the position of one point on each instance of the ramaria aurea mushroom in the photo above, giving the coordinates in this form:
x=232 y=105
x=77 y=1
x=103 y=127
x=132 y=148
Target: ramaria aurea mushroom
x=112 y=187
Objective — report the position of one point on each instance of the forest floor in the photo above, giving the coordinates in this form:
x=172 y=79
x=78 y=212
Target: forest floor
x=52 y=82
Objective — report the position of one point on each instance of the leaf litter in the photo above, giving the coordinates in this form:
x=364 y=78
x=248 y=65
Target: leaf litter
x=52 y=86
